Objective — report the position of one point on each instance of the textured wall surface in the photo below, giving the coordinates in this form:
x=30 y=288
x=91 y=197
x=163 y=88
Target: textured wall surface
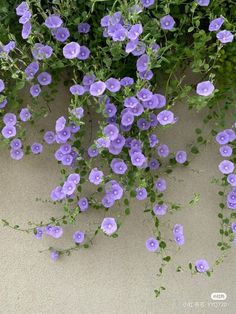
x=115 y=275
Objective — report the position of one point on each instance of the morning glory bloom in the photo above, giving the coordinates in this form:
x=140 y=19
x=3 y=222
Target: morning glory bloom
x=181 y=156
x=222 y=138
x=130 y=102
x=56 y=232
x=2 y=85
x=22 y=8
x=205 y=88
x=36 y=148
x=25 y=114
x=8 y=131
x=78 y=237
x=26 y=30
x=226 y=151
x=231 y=179
x=167 y=22
x=118 y=166
x=152 y=244
x=109 y=225
x=44 y=78
x=41 y=51
x=16 y=143
x=160 y=209
x=77 y=90
x=54 y=256
x=178 y=229
x=35 y=90
x=233 y=227
x=165 y=117
x=147 y=3
x=226 y=167
x=49 y=137
x=203 y=3
x=160 y=185
x=163 y=150
x=201 y=265
x=84 y=53
x=39 y=233
x=113 y=85
x=95 y=176
x=144 y=94
x=231 y=134
x=97 y=88
x=69 y=187
x=9 y=119
x=225 y=36
x=110 y=110
x=71 y=50
x=83 y=28
x=142 y=63
x=25 y=17
x=153 y=140
x=154 y=164
x=53 y=21
x=216 y=24
x=111 y=131
x=61 y=34
x=83 y=204
x=108 y=200
x=138 y=159
x=60 y=124
x=16 y=154
x=88 y=79
x=135 y=31
x=31 y=70
x=3 y=104
x=179 y=239
x=141 y=194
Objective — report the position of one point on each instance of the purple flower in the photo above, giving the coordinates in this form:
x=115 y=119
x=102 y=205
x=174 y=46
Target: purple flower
x=25 y=114
x=53 y=21
x=165 y=117
x=9 y=131
x=36 y=148
x=113 y=85
x=231 y=134
x=88 y=80
x=49 y=137
x=95 y=176
x=160 y=209
x=78 y=237
x=163 y=150
x=69 y=187
x=205 y=88
x=152 y=244
x=16 y=154
x=114 y=189
x=41 y=51
x=146 y=75
x=226 y=151
x=71 y=50
x=44 y=78
x=64 y=135
x=61 y=34
x=167 y=22
x=83 y=204
x=231 y=179
x=137 y=110
x=154 y=164
x=181 y=156
x=201 y=265
x=127 y=81
x=25 y=17
x=118 y=166
x=3 y=104
x=141 y=194
x=143 y=124
x=222 y=138
x=93 y=151
x=108 y=200
x=83 y=28
x=203 y=3
x=54 y=256
x=74 y=177
x=2 y=85
x=97 y=89
x=65 y=148
x=138 y=159
x=147 y=3
x=39 y=233
x=225 y=36
x=153 y=140
x=142 y=63
x=9 y=119
x=109 y=225
x=77 y=90
x=110 y=110
x=179 y=239
x=60 y=124
x=31 y=70
x=16 y=143
x=130 y=102
x=226 y=167
x=233 y=227
x=35 y=90
x=84 y=53
x=111 y=131
x=22 y=8
x=161 y=185
x=178 y=229
x=58 y=194
x=26 y=30
x=135 y=31
x=117 y=32
x=67 y=160
x=144 y=94
x=216 y=24
x=56 y=232
x=140 y=49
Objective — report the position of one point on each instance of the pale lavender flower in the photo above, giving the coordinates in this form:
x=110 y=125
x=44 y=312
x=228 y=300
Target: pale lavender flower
x=54 y=256
x=44 y=78
x=167 y=22
x=78 y=237
x=93 y=151
x=88 y=79
x=225 y=36
x=64 y=135
x=137 y=110
x=165 y=117
x=118 y=166
x=231 y=134
x=36 y=148
x=16 y=154
x=108 y=200
x=138 y=159
x=139 y=50
x=67 y=160
x=9 y=119
x=135 y=31
x=26 y=30
x=56 y=232
x=153 y=140
x=231 y=179
x=49 y=137
x=222 y=138
x=152 y=244
x=154 y=164
x=179 y=239
x=178 y=229
x=115 y=190
x=226 y=151
x=60 y=124
x=25 y=17
x=16 y=143
x=3 y=104
x=131 y=102
x=97 y=89
x=109 y=225
x=201 y=265
x=83 y=28
x=22 y=8
x=205 y=88
x=146 y=75
x=8 y=131
x=84 y=53
x=65 y=148
x=144 y=94
x=77 y=90
x=142 y=63
x=25 y=114
x=226 y=167
x=203 y=3
x=160 y=209
x=35 y=90
x=71 y=50
x=143 y=124
x=39 y=233
x=181 y=156
x=31 y=70
x=53 y=21
x=233 y=227
x=41 y=51
x=141 y=194
x=161 y=185
x=83 y=204
x=2 y=85
x=69 y=187
x=113 y=85
x=127 y=81
x=216 y=24
x=110 y=110
x=61 y=34
x=111 y=131
x=147 y=3
x=96 y=176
